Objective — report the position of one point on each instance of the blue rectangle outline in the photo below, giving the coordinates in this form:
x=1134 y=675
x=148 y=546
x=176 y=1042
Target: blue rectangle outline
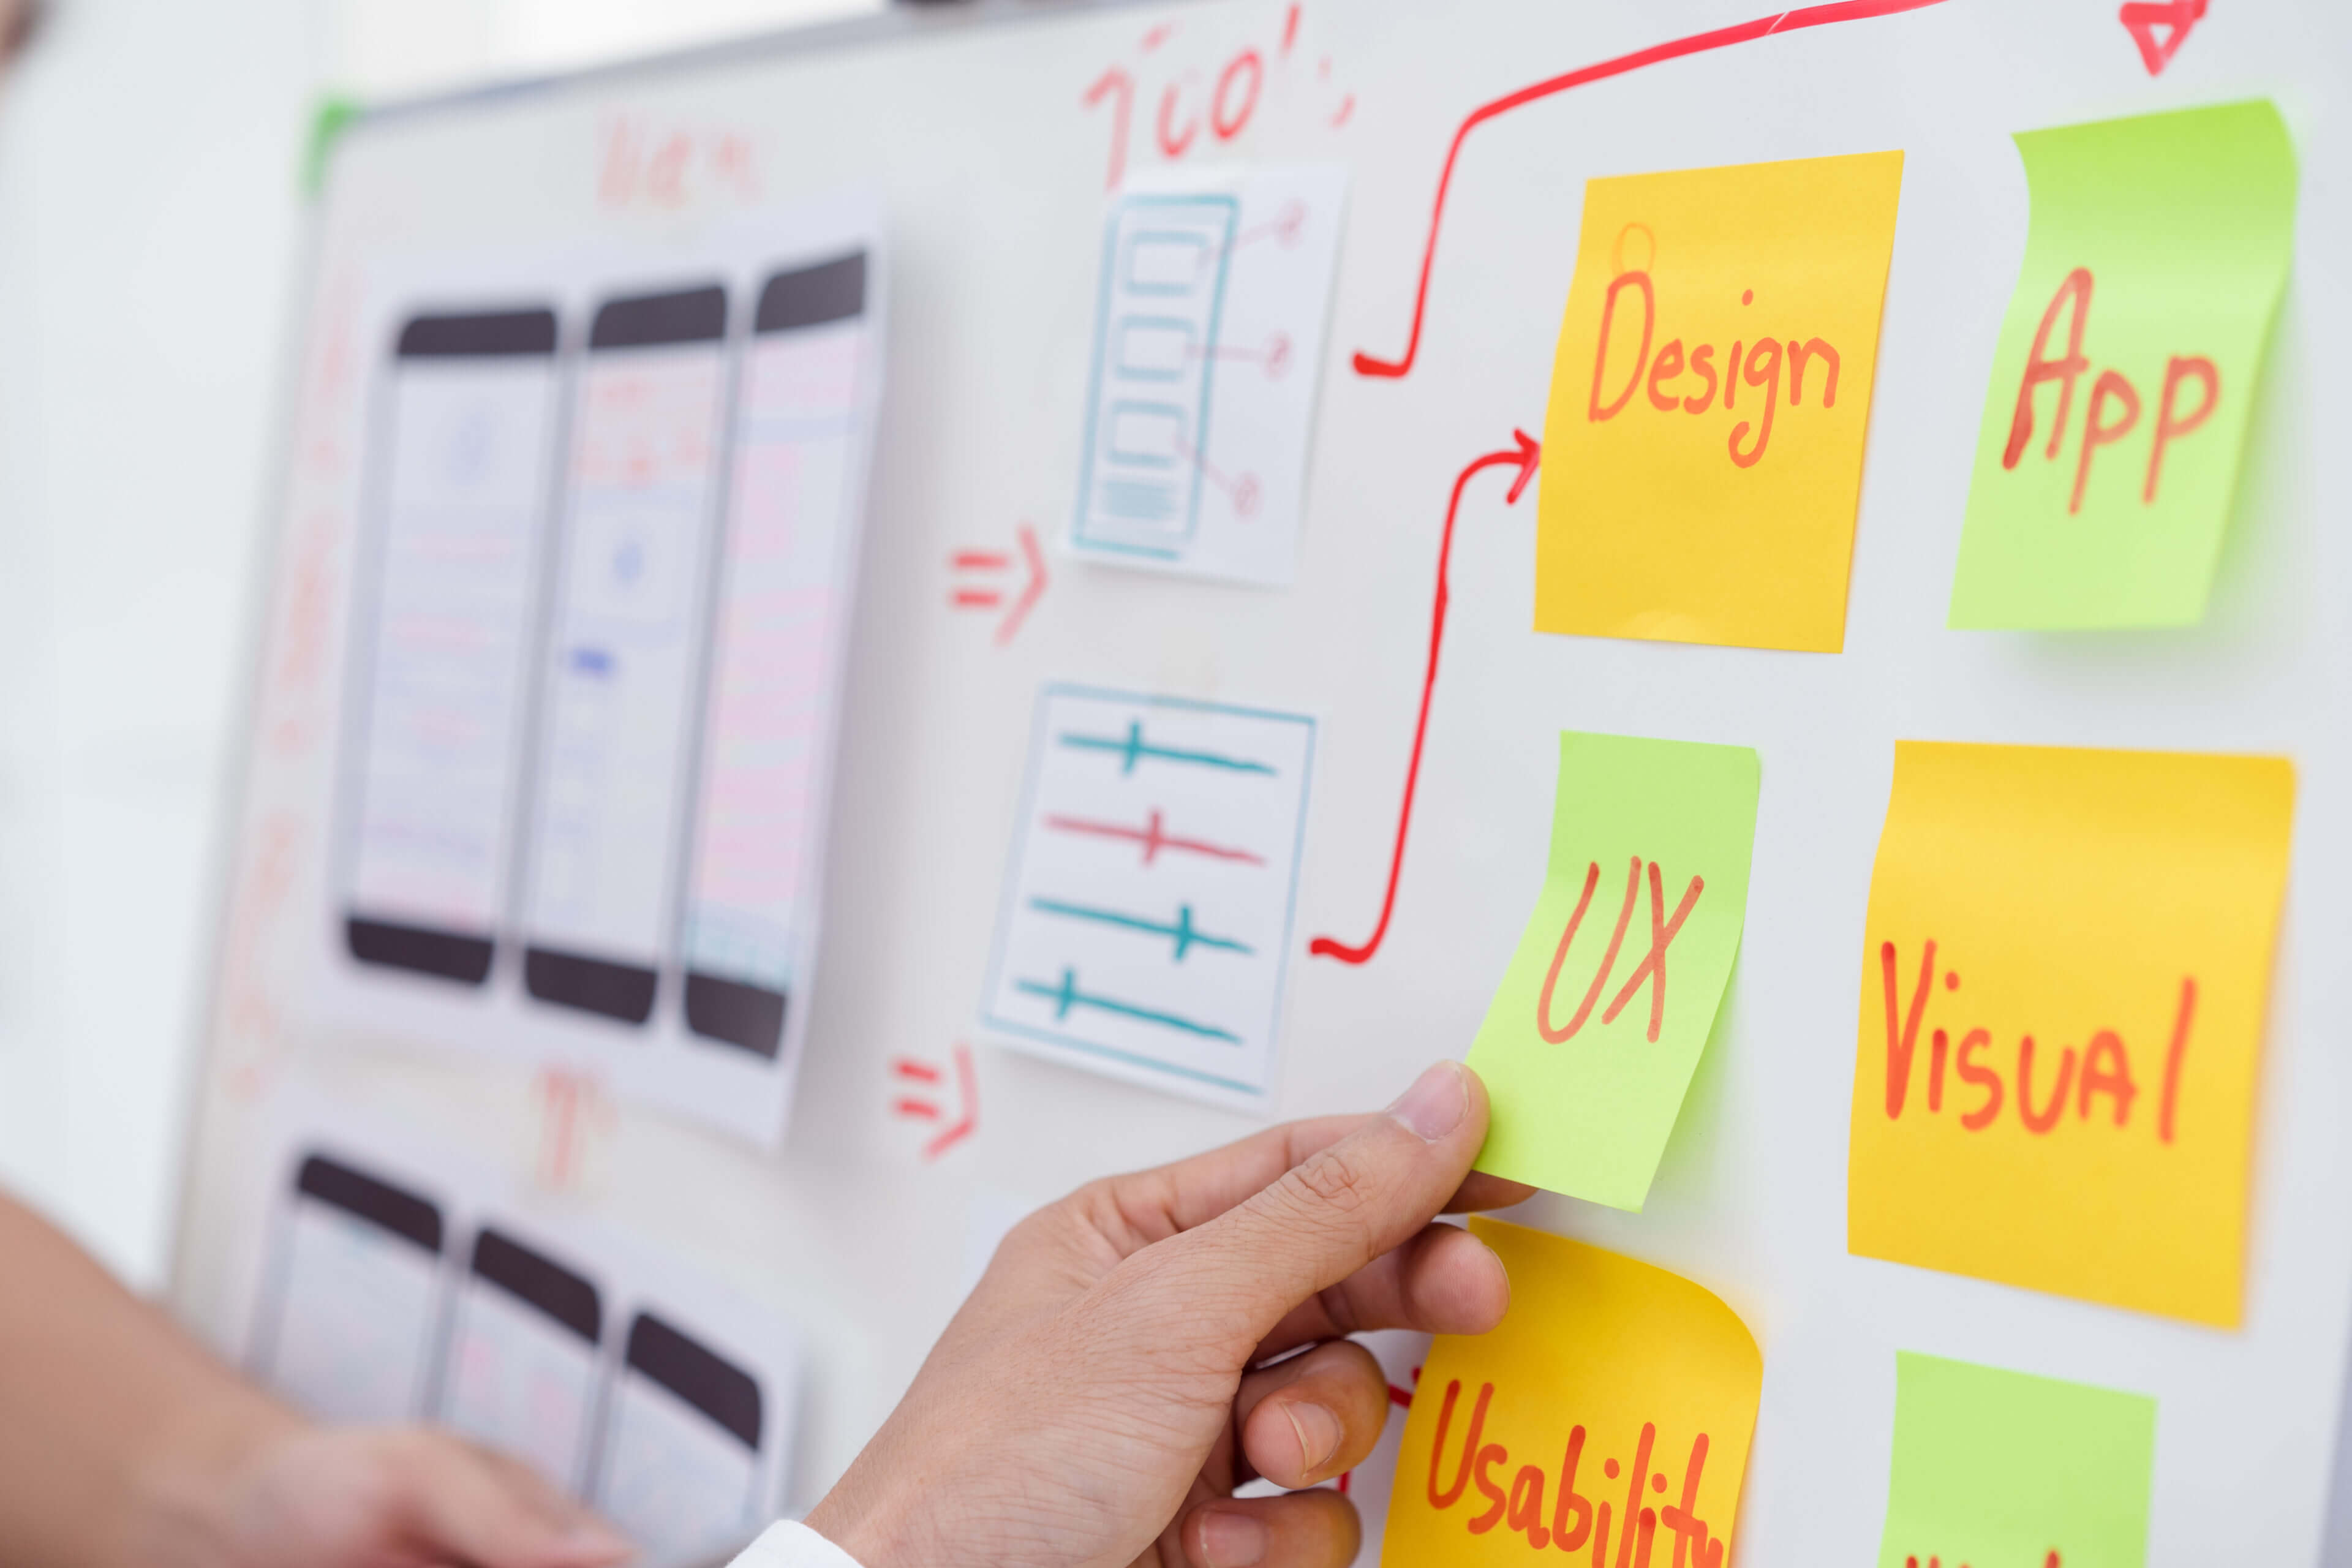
x=1079 y=538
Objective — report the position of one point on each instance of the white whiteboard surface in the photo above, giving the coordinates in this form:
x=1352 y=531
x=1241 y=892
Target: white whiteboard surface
x=991 y=166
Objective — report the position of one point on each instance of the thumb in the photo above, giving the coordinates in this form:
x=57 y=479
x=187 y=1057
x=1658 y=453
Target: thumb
x=1335 y=1212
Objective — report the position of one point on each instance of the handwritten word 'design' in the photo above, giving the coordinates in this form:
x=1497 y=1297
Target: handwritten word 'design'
x=2061 y=1016
x=1609 y=1415
x=1710 y=396
x=1586 y=1079
x=1995 y=1468
x=2125 y=372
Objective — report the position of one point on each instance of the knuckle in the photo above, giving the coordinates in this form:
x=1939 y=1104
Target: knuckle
x=1339 y=1179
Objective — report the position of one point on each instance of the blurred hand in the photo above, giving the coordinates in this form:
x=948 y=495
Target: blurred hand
x=398 y=1498
x=1103 y=1392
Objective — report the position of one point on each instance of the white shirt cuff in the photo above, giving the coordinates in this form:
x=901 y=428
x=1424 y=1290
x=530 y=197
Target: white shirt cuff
x=788 y=1544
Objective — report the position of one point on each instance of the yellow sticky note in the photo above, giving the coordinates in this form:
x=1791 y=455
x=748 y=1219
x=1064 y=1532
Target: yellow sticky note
x=1614 y=1395
x=1710 y=400
x=2065 y=963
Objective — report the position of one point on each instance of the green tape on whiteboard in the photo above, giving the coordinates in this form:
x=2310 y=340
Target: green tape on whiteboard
x=2127 y=368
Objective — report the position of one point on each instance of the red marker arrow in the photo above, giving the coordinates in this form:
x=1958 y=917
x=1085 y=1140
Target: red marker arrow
x=988 y=597
x=1526 y=455
x=906 y=1069
x=2141 y=19
x=1765 y=26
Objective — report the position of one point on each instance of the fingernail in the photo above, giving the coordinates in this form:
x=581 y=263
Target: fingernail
x=1318 y=1430
x=1435 y=1103
x=1231 y=1540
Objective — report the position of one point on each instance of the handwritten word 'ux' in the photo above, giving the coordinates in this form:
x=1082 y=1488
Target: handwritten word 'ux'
x=2106 y=1062
x=1660 y=379
x=1651 y=969
x=2112 y=390
x=1575 y=1521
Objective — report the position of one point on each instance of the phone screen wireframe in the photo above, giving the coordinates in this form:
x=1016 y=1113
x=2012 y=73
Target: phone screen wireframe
x=622 y=674
x=442 y=665
x=523 y=1360
x=680 y=1471
x=793 y=522
x=348 y=1329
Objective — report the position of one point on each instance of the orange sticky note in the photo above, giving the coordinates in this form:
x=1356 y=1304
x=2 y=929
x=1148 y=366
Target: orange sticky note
x=1710 y=399
x=2063 y=975
x=1615 y=1396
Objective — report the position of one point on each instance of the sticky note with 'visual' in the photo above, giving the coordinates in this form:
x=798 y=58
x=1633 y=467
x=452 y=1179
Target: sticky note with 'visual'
x=1608 y=1419
x=2064 y=976
x=1592 y=1037
x=2125 y=377
x=1710 y=399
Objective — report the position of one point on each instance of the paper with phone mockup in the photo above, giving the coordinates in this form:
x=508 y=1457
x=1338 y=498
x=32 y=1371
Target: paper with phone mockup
x=1710 y=396
x=1996 y=1467
x=2066 y=961
x=1591 y=1038
x=2125 y=380
x=1615 y=1398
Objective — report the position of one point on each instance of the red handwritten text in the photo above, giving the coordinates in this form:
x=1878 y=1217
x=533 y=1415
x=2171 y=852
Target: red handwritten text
x=1651 y=969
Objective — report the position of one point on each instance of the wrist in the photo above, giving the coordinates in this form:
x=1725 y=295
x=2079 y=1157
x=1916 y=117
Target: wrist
x=187 y=1486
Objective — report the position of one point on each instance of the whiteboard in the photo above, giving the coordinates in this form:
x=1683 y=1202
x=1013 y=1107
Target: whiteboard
x=990 y=139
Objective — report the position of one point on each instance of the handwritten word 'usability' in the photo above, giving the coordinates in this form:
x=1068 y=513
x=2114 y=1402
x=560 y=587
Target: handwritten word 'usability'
x=2114 y=409
x=1574 y=1521
x=1651 y=970
x=2106 y=1068
x=1675 y=380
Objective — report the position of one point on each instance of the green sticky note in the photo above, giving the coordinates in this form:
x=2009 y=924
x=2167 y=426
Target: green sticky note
x=1591 y=1038
x=2127 y=368
x=1999 y=1469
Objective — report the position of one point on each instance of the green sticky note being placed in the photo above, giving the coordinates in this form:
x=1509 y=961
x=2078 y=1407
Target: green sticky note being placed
x=2127 y=368
x=1591 y=1040
x=1999 y=1470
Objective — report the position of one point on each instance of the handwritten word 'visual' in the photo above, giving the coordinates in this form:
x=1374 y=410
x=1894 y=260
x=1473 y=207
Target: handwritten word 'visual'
x=1758 y=363
x=2106 y=1062
x=1651 y=969
x=1575 y=1521
x=2112 y=394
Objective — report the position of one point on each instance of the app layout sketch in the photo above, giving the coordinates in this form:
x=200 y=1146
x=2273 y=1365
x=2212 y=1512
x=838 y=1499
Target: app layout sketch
x=1146 y=923
x=1208 y=336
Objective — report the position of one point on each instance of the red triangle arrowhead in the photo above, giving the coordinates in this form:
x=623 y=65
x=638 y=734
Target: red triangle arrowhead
x=2141 y=19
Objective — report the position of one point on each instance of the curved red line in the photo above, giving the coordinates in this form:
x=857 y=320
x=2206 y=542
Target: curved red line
x=1697 y=44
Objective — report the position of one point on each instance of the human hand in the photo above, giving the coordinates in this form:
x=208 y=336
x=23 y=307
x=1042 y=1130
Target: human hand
x=1102 y=1392
x=386 y=1497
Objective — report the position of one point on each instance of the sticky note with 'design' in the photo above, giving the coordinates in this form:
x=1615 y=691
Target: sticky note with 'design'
x=1592 y=1037
x=1710 y=400
x=2065 y=963
x=2125 y=372
x=1615 y=1398
x=1995 y=1468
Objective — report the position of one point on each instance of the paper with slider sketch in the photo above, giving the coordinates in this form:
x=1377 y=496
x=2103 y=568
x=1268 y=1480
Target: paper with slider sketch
x=1145 y=931
x=1214 y=291
x=1592 y=1037
x=2067 y=960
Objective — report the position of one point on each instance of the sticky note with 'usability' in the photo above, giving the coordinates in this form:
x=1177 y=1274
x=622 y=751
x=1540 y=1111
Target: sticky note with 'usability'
x=1592 y=1037
x=1609 y=1414
x=2067 y=960
x=1710 y=399
x=1996 y=1467
x=2125 y=377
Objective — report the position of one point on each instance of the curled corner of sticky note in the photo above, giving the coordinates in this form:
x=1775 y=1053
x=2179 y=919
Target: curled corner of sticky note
x=1614 y=1395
